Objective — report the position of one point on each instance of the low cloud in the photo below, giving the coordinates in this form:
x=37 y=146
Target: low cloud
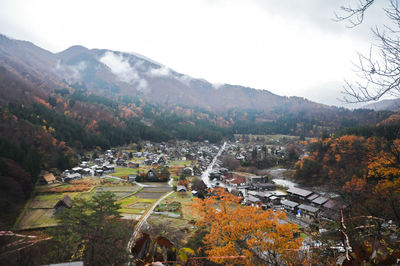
x=71 y=72
x=185 y=79
x=120 y=66
x=159 y=72
x=217 y=85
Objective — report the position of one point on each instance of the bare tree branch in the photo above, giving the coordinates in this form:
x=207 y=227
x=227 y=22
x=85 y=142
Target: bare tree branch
x=354 y=14
x=378 y=73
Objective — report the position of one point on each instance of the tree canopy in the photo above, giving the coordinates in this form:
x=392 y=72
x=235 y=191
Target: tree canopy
x=238 y=234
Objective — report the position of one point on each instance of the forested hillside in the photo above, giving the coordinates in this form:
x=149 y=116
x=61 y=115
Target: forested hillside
x=56 y=106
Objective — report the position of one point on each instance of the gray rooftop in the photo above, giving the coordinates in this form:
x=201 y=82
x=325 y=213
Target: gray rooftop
x=320 y=200
x=308 y=208
x=252 y=199
x=299 y=191
x=289 y=203
x=313 y=196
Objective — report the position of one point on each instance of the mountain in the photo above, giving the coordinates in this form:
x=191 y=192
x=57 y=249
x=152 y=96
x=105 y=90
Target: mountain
x=114 y=73
x=384 y=105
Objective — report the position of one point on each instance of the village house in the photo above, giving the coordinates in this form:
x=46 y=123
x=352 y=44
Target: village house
x=152 y=175
x=47 y=179
x=196 y=171
x=312 y=197
x=77 y=170
x=133 y=165
x=188 y=171
x=255 y=179
x=253 y=201
x=236 y=181
x=274 y=200
x=148 y=162
x=121 y=162
x=307 y=211
x=298 y=194
x=65 y=202
x=318 y=202
x=108 y=169
x=180 y=188
x=290 y=206
x=265 y=186
x=331 y=210
x=132 y=178
x=86 y=171
x=162 y=160
x=70 y=177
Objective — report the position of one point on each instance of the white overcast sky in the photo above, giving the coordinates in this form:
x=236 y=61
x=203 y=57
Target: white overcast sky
x=289 y=47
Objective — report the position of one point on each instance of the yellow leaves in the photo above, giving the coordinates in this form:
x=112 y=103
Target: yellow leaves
x=385 y=164
x=236 y=230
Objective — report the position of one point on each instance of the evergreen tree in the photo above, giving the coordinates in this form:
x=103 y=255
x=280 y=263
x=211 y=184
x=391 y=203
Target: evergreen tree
x=91 y=231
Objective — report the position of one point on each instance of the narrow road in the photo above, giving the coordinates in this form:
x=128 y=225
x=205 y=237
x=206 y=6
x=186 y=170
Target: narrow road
x=143 y=220
x=206 y=174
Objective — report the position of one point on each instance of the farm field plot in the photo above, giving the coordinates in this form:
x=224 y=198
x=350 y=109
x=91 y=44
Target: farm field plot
x=179 y=162
x=181 y=220
x=46 y=201
x=39 y=212
x=119 y=192
x=37 y=218
x=149 y=195
x=156 y=189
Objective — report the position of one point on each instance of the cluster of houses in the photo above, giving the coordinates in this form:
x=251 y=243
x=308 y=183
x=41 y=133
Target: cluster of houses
x=311 y=205
x=258 y=191
x=154 y=154
x=305 y=204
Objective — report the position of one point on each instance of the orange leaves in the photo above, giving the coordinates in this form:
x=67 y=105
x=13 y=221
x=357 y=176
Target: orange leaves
x=236 y=230
x=355 y=185
x=92 y=125
x=41 y=101
x=183 y=183
x=54 y=142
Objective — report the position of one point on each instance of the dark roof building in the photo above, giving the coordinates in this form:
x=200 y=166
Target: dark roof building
x=65 y=202
x=319 y=201
x=289 y=205
x=296 y=193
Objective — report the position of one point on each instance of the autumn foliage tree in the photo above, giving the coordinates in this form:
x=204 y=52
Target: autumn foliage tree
x=240 y=234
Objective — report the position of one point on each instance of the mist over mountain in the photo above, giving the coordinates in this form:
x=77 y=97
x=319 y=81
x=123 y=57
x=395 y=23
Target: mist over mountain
x=28 y=71
x=115 y=73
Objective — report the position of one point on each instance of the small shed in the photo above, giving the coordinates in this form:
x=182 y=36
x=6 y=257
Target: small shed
x=48 y=179
x=65 y=202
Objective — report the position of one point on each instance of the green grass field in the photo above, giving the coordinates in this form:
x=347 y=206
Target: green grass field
x=39 y=212
x=179 y=163
x=37 y=218
x=119 y=172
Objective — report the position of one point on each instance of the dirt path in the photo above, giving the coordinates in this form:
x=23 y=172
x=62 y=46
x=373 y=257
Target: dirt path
x=143 y=220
